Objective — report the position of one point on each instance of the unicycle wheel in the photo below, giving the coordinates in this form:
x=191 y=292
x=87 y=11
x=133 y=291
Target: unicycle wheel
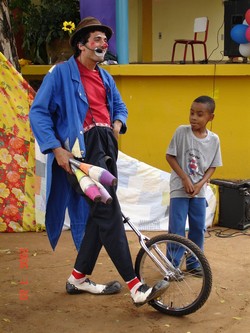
x=189 y=289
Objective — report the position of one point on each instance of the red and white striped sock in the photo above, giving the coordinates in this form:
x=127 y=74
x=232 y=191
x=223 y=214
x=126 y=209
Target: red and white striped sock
x=134 y=285
x=80 y=277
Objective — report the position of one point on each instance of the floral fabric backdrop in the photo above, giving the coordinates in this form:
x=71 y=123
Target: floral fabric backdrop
x=17 y=152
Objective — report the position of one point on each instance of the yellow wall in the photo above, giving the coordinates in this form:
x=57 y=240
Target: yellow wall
x=158 y=98
x=146 y=35
x=173 y=19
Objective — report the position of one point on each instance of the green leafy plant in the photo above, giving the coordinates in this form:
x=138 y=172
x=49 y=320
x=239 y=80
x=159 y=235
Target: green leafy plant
x=43 y=23
x=66 y=10
x=17 y=8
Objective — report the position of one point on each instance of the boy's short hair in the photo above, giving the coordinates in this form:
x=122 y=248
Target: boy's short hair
x=206 y=100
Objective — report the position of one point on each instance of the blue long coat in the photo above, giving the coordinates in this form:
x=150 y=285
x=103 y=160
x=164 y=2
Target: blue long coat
x=56 y=117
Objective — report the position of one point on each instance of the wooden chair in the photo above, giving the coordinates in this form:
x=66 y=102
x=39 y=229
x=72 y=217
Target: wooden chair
x=200 y=29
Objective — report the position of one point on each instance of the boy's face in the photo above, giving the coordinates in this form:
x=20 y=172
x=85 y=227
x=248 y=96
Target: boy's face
x=199 y=116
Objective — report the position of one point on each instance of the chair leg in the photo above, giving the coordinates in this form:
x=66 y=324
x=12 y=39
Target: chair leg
x=185 y=54
x=192 y=48
x=205 y=51
x=173 y=52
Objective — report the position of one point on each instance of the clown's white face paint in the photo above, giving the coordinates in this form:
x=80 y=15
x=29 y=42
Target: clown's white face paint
x=100 y=52
x=95 y=39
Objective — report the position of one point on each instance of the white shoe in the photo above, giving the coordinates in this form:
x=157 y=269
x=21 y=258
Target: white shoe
x=74 y=287
x=144 y=293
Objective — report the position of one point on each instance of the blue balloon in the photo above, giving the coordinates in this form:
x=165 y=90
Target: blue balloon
x=238 y=33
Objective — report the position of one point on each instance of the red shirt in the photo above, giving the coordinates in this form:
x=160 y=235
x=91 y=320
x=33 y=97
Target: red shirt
x=98 y=112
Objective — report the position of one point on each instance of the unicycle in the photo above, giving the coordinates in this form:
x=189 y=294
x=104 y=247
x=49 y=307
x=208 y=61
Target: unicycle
x=156 y=260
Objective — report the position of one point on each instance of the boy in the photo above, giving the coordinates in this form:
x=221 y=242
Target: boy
x=193 y=154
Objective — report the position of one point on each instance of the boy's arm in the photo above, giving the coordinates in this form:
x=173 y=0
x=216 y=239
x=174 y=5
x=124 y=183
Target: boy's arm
x=186 y=181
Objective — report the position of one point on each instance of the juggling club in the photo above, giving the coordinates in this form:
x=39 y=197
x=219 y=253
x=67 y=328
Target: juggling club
x=97 y=173
x=87 y=185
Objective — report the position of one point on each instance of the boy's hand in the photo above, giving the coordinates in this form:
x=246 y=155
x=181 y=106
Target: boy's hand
x=197 y=188
x=188 y=185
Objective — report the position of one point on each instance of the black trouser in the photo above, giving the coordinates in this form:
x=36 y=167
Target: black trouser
x=105 y=225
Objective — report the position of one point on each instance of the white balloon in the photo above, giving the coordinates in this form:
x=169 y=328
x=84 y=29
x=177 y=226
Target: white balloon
x=245 y=22
x=244 y=50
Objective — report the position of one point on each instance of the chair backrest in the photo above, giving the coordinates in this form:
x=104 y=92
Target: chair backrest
x=201 y=26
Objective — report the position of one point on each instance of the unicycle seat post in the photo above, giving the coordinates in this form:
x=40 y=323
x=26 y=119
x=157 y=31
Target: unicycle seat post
x=135 y=229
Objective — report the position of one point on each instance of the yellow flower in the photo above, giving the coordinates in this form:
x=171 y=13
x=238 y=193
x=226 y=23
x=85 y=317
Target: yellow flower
x=18 y=194
x=16 y=226
x=68 y=26
x=21 y=160
x=3 y=226
x=23 y=62
x=4 y=191
x=5 y=157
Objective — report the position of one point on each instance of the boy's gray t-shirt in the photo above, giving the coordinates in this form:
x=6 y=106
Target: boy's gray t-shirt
x=194 y=156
